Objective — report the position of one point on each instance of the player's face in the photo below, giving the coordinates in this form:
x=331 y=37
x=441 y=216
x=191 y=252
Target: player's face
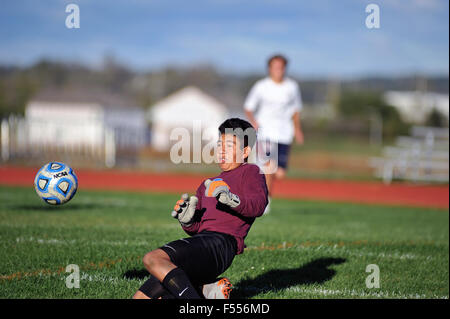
x=277 y=70
x=230 y=154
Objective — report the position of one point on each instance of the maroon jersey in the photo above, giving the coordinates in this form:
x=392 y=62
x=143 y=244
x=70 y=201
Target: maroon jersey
x=249 y=184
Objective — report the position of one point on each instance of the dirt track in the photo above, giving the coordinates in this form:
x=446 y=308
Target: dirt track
x=339 y=191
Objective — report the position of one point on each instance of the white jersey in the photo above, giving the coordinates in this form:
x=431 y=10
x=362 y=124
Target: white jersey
x=274 y=105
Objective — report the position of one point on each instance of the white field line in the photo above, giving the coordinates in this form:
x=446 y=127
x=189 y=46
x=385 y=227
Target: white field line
x=361 y=253
x=348 y=293
x=102 y=278
x=357 y=252
x=84 y=276
x=344 y=293
x=363 y=294
x=53 y=241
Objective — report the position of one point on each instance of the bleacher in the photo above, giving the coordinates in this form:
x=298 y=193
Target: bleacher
x=421 y=157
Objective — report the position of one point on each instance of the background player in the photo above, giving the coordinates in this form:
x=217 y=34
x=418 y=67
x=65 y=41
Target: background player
x=273 y=107
x=218 y=219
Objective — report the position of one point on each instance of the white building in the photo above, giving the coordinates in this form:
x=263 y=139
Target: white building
x=84 y=123
x=75 y=124
x=64 y=123
x=188 y=108
x=415 y=106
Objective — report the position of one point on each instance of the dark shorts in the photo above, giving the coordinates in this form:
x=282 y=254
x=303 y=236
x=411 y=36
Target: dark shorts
x=266 y=149
x=203 y=257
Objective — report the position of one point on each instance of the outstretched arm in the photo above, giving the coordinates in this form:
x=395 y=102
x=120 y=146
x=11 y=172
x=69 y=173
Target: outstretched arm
x=251 y=203
x=255 y=197
x=195 y=226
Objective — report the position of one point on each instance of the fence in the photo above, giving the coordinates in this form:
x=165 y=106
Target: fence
x=422 y=156
x=20 y=140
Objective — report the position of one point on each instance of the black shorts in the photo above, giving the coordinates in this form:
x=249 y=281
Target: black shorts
x=278 y=152
x=283 y=155
x=203 y=256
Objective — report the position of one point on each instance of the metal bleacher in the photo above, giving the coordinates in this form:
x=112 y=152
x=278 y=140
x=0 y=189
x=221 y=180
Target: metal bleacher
x=422 y=157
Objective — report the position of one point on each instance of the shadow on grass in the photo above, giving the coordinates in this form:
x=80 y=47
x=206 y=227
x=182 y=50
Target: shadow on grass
x=314 y=272
x=136 y=274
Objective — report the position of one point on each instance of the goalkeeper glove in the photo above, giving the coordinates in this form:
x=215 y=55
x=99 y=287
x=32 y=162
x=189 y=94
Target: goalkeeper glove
x=184 y=210
x=219 y=189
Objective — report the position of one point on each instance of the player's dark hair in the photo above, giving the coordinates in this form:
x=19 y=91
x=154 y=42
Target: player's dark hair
x=277 y=56
x=240 y=128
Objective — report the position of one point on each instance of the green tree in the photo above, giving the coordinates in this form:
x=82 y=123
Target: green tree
x=436 y=119
x=361 y=105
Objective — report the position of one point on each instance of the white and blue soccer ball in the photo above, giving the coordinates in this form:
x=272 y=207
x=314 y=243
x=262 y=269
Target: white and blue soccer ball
x=56 y=183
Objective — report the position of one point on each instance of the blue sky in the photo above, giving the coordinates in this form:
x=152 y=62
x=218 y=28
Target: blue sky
x=321 y=38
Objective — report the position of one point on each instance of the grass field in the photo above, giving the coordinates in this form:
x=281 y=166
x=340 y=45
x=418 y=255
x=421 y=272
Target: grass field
x=302 y=249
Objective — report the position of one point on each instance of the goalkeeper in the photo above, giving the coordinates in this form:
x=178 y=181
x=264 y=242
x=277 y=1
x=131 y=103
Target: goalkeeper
x=218 y=218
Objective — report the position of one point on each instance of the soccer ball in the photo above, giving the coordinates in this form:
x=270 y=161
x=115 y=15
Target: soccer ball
x=56 y=183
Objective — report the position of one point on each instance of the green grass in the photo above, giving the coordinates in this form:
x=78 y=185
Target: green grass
x=302 y=249
x=339 y=144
